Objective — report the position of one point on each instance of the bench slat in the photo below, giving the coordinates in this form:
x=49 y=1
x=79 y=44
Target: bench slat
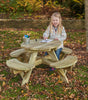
x=64 y=63
x=66 y=50
x=17 y=65
x=17 y=53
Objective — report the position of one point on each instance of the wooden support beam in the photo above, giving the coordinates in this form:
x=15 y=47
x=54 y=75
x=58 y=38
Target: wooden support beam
x=63 y=73
x=26 y=77
x=53 y=55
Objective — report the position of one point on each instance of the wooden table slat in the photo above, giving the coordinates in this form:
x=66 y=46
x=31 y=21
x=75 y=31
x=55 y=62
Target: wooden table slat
x=42 y=46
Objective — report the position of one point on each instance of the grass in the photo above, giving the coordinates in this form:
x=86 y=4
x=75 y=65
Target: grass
x=42 y=84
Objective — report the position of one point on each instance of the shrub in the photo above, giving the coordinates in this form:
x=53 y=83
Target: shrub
x=77 y=8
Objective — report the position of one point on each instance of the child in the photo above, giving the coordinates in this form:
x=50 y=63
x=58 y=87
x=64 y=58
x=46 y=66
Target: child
x=56 y=31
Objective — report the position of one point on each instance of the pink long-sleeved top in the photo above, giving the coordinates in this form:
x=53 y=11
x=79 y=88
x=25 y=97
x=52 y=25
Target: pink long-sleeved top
x=54 y=35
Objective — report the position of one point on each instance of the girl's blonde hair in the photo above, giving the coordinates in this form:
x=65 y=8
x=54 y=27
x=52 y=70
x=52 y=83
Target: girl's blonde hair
x=58 y=15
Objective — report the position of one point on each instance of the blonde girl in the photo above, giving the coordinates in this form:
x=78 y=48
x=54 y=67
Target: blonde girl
x=56 y=31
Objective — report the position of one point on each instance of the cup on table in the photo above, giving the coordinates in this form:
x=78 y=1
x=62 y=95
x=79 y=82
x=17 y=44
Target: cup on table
x=26 y=40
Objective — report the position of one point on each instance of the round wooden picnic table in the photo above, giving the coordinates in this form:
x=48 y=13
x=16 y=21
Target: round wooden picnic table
x=34 y=47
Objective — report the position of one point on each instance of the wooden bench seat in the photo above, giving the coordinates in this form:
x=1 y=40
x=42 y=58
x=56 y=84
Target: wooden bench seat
x=62 y=65
x=66 y=50
x=17 y=53
x=24 y=69
x=17 y=65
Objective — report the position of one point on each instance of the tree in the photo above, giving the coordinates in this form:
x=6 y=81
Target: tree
x=86 y=22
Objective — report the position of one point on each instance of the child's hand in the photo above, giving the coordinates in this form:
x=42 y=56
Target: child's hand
x=45 y=38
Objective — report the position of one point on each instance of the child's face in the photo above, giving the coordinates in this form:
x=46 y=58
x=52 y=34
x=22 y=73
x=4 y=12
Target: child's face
x=55 y=21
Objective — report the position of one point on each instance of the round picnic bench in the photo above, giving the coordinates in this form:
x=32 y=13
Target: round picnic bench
x=25 y=68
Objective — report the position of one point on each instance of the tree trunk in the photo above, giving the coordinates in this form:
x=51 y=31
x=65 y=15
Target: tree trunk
x=86 y=22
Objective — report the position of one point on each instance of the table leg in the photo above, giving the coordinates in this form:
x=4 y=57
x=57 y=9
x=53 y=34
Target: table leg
x=53 y=55
x=63 y=73
x=26 y=75
x=22 y=74
x=33 y=58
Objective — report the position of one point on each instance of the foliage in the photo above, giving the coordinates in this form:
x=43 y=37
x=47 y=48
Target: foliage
x=20 y=5
x=8 y=6
x=77 y=8
x=49 y=3
x=16 y=7
x=30 y=5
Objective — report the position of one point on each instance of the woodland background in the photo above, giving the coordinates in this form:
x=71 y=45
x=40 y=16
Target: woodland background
x=28 y=8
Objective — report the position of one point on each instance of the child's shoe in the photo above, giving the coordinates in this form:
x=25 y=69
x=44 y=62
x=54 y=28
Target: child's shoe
x=52 y=69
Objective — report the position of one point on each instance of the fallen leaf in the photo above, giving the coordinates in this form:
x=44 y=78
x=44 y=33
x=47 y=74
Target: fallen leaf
x=72 y=96
x=3 y=84
x=22 y=91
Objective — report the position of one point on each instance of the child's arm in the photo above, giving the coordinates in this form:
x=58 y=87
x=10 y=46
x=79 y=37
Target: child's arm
x=63 y=35
x=46 y=33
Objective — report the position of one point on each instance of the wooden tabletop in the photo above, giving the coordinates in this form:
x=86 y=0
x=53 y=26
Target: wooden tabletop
x=41 y=46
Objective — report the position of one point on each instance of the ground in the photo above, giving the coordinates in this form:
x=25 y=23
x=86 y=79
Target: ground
x=44 y=84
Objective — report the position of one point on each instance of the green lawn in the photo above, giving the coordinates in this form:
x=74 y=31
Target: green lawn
x=43 y=83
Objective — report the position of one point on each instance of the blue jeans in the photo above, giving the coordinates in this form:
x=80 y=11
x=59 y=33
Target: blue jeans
x=58 y=51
